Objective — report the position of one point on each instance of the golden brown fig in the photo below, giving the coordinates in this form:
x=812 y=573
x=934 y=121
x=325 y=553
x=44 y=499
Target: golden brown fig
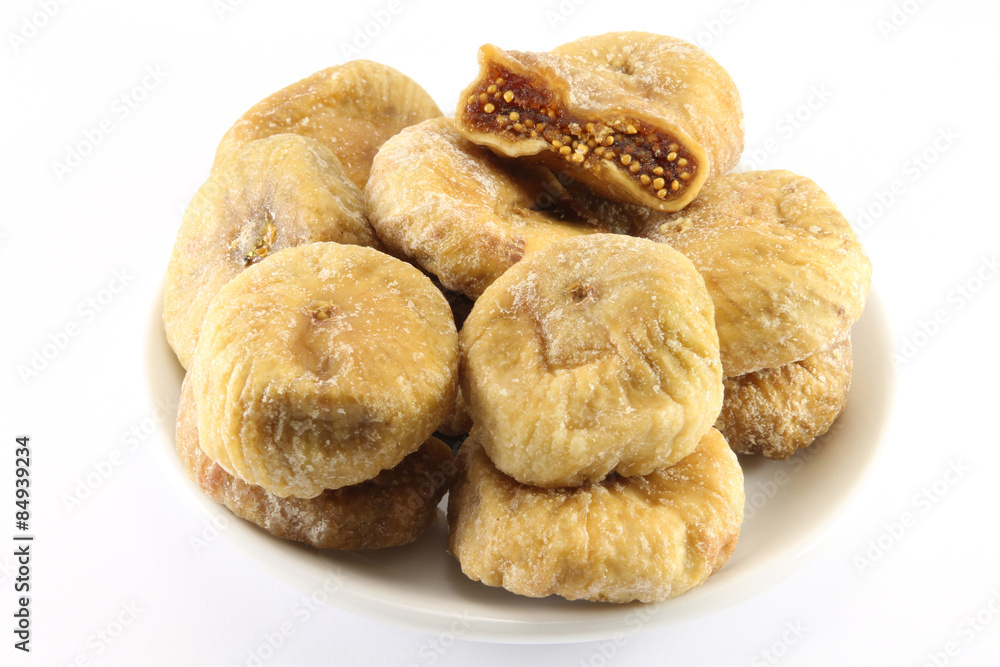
x=597 y=354
x=786 y=272
x=638 y=117
x=461 y=212
x=321 y=366
x=352 y=108
x=626 y=538
x=777 y=411
x=392 y=509
x=269 y=194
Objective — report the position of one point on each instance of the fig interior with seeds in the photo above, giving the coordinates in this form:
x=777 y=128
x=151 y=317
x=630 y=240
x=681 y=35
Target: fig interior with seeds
x=517 y=106
x=639 y=118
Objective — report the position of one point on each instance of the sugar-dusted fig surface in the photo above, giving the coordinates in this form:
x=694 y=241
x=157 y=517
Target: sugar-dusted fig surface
x=460 y=211
x=321 y=366
x=597 y=354
x=272 y=193
x=391 y=509
x=638 y=117
x=777 y=411
x=620 y=540
x=351 y=108
x=785 y=269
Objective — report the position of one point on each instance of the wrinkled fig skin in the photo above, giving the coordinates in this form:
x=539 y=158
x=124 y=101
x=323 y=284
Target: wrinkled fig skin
x=777 y=411
x=462 y=213
x=391 y=509
x=621 y=540
x=321 y=366
x=598 y=354
x=640 y=118
x=351 y=108
x=272 y=193
x=785 y=269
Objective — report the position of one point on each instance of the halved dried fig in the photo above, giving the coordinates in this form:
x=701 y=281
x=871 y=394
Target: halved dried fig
x=638 y=117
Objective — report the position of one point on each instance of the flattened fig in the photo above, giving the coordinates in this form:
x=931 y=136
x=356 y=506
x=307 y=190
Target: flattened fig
x=391 y=509
x=273 y=193
x=351 y=108
x=461 y=212
x=321 y=366
x=785 y=269
x=596 y=355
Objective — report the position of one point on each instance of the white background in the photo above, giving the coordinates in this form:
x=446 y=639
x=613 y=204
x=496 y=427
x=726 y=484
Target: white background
x=893 y=109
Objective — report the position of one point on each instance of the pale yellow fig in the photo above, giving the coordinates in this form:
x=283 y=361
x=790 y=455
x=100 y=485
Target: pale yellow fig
x=321 y=366
x=462 y=213
x=785 y=269
x=620 y=540
x=596 y=355
x=270 y=194
x=351 y=108
x=391 y=509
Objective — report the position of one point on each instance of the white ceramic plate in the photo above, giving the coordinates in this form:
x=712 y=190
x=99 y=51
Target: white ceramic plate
x=792 y=506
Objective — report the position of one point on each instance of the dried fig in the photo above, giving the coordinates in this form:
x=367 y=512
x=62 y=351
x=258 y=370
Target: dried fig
x=777 y=411
x=461 y=212
x=638 y=117
x=786 y=272
x=351 y=108
x=321 y=366
x=623 y=539
x=597 y=354
x=391 y=509
x=270 y=194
